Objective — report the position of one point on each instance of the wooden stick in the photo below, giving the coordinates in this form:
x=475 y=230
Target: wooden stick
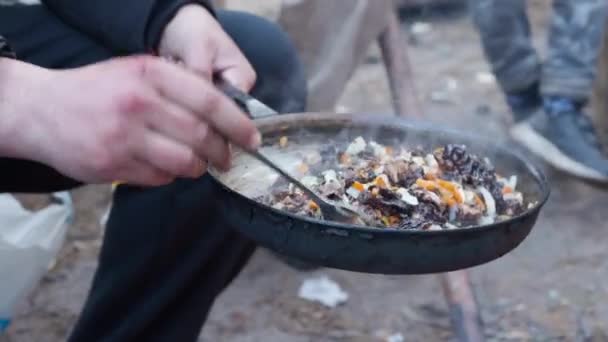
x=464 y=312
x=457 y=288
x=393 y=46
x=599 y=99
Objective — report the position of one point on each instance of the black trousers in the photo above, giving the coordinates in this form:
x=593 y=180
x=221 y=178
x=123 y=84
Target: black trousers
x=167 y=251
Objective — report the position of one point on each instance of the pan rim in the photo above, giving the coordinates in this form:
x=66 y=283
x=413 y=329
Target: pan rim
x=415 y=124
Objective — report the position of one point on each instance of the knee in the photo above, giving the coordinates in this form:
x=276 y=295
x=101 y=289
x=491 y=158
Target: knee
x=281 y=79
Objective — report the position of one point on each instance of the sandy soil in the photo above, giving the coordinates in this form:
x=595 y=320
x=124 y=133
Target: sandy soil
x=554 y=287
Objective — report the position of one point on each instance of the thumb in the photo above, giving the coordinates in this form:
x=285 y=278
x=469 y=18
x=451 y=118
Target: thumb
x=243 y=77
x=232 y=65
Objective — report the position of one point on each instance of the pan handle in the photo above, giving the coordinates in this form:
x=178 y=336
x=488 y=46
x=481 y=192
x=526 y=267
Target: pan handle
x=249 y=104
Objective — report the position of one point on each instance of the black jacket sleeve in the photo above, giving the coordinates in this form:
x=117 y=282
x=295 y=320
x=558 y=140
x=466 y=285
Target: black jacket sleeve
x=5 y=49
x=127 y=26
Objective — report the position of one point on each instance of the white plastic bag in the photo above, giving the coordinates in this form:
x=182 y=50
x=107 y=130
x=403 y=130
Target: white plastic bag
x=29 y=243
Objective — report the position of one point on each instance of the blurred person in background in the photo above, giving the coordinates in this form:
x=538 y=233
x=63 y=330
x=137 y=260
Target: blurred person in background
x=561 y=86
x=73 y=113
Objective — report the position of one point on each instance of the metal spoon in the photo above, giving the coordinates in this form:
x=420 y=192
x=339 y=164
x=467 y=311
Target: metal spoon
x=255 y=109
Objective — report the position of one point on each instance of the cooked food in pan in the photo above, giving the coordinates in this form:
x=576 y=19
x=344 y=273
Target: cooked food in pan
x=401 y=188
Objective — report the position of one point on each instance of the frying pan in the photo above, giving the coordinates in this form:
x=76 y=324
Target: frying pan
x=358 y=248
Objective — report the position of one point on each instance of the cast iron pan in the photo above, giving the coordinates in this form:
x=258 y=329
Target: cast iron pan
x=357 y=248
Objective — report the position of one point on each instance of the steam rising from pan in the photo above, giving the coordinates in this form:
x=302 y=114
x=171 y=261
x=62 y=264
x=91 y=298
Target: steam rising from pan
x=308 y=133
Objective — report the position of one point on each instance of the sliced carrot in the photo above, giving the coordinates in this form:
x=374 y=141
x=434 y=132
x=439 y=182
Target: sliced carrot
x=446 y=184
x=479 y=202
x=430 y=176
x=458 y=197
x=313 y=205
x=451 y=202
x=451 y=187
x=425 y=184
x=358 y=186
x=446 y=195
x=507 y=190
x=380 y=182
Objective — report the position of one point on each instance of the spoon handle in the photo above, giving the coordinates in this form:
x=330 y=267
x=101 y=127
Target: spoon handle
x=249 y=104
x=257 y=109
x=257 y=155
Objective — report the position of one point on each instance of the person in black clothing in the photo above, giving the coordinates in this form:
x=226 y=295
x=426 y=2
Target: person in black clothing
x=78 y=107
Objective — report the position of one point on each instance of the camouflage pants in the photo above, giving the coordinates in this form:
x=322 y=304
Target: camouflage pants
x=575 y=40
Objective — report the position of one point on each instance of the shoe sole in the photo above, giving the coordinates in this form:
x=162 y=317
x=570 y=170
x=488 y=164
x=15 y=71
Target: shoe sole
x=544 y=148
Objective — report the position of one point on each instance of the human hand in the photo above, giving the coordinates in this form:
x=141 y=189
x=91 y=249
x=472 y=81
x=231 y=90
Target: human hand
x=195 y=38
x=141 y=120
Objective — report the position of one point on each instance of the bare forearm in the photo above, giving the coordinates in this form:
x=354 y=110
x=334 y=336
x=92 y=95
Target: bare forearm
x=18 y=92
x=9 y=120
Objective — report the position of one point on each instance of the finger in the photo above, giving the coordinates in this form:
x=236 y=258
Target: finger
x=204 y=100
x=143 y=174
x=198 y=59
x=240 y=76
x=176 y=123
x=217 y=150
x=232 y=65
x=169 y=156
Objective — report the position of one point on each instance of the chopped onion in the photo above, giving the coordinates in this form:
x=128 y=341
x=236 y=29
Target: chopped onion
x=431 y=161
x=434 y=197
x=450 y=226
x=404 y=155
x=407 y=197
x=313 y=158
x=309 y=181
x=330 y=176
x=517 y=196
x=469 y=197
x=379 y=150
x=512 y=182
x=379 y=170
x=418 y=161
x=352 y=192
x=488 y=200
x=435 y=227
x=356 y=147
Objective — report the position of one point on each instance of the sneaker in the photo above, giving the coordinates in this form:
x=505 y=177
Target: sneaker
x=524 y=103
x=564 y=137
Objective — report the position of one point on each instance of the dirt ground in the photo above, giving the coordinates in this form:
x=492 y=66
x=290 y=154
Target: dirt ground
x=554 y=287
